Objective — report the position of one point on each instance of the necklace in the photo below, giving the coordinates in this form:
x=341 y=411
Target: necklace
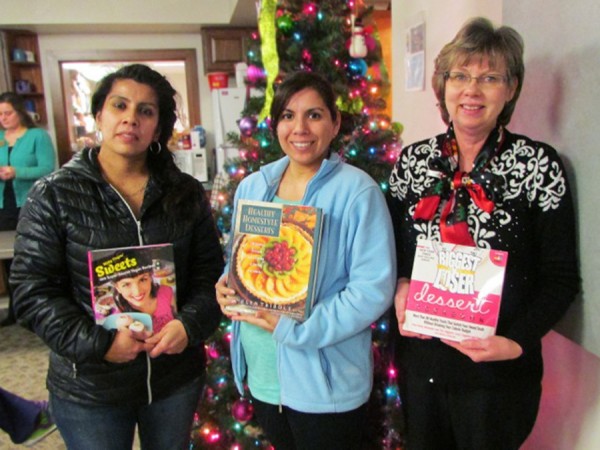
x=138 y=192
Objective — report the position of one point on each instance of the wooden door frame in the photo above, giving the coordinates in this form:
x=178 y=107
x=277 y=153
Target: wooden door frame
x=56 y=58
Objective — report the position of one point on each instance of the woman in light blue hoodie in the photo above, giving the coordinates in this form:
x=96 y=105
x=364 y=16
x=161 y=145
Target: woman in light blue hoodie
x=310 y=381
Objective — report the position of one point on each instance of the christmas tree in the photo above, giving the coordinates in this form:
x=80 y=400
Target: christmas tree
x=337 y=39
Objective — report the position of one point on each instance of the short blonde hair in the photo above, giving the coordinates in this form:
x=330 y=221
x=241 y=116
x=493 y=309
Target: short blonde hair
x=478 y=39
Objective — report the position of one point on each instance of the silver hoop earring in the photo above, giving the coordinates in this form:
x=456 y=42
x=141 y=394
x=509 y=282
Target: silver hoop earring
x=155 y=151
x=99 y=137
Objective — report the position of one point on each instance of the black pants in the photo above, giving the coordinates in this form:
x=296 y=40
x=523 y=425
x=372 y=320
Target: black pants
x=295 y=430
x=468 y=418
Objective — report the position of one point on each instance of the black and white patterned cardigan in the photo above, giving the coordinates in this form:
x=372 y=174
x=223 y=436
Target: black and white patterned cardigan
x=533 y=221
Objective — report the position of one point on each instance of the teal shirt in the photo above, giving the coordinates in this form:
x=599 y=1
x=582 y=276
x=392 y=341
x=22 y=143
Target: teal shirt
x=32 y=157
x=261 y=356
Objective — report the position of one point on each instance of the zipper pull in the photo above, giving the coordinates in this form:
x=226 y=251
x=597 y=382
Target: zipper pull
x=74 y=375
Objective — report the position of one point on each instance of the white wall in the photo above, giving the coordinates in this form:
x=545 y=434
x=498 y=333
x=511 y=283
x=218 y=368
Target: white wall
x=570 y=406
x=559 y=105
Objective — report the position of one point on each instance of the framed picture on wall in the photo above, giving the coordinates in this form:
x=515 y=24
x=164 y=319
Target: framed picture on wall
x=415 y=58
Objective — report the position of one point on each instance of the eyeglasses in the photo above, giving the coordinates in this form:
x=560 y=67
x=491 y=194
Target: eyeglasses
x=487 y=81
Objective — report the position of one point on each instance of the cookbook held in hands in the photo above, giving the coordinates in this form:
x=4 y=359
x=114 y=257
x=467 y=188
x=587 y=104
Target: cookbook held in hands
x=274 y=257
x=133 y=287
x=455 y=291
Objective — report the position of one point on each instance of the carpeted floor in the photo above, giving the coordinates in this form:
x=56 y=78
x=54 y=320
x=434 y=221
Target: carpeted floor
x=23 y=366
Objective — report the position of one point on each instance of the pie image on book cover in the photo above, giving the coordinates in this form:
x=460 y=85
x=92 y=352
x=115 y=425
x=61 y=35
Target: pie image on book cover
x=455 y=291
x=274 y=257
x=133 y=287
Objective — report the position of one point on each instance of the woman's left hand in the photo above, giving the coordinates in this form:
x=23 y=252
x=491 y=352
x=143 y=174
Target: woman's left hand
x=172 y=339
x=265 y=320
x=494 y=348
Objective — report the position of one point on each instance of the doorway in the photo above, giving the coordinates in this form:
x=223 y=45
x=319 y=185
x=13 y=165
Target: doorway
x=74 y=75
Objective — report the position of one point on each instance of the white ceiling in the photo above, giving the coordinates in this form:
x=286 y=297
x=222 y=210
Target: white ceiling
x=131 y=16
x=125 y=16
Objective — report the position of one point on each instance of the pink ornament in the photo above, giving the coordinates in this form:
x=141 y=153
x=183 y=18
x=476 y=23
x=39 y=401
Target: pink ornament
x=212 y=351
x=306 y=57
x=254 y=74
x=370 y=42
x=310 y=9
x=242 y=410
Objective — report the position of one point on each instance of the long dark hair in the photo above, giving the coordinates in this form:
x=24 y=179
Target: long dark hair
x=180 y=191
x=18 y=104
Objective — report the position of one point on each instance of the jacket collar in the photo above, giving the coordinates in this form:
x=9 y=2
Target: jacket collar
x=85 y=163
x=273 y=172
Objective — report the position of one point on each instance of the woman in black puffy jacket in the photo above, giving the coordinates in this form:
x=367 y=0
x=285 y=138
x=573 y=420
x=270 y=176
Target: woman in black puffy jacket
x=126 y=192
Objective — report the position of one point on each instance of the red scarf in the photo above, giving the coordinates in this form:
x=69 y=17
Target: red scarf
x=459 y=188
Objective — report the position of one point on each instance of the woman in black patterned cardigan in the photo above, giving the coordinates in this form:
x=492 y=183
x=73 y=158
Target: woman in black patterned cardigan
x=480 y=185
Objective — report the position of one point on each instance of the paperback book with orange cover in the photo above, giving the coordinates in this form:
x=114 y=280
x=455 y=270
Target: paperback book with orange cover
x=455 y=291
x=273 y=265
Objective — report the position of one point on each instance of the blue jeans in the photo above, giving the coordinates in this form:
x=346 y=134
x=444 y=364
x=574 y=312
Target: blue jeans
x=163 y=425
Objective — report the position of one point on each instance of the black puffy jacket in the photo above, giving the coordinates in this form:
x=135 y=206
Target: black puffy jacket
x=72 y=211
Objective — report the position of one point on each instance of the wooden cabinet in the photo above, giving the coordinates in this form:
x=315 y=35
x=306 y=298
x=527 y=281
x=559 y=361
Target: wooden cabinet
x=225 y=46
x=25 y=70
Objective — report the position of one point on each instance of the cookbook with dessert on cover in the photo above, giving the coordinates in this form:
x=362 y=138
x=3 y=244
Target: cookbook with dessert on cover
x=133 y=287
x=274 y=257
x=455 y=291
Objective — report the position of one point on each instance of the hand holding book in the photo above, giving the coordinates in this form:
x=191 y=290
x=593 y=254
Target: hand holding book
x=228 y=300
x=125 y=347
x=492 y=348
x=400 y=298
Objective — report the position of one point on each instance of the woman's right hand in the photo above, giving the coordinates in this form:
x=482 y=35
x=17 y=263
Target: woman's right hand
x=400 y=307
x=126 y=347
x=225 y=296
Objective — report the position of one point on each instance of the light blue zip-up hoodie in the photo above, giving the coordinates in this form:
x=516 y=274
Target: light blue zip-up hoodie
x=325 y=363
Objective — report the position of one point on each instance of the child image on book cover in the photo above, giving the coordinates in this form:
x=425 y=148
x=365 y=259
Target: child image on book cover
x=143 y=285
x=273 y=271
